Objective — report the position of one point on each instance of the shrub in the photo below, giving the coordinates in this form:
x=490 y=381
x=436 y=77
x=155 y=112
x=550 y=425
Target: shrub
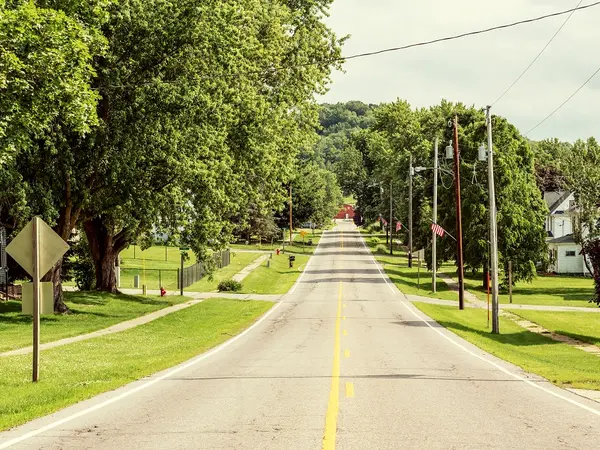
x=375 y=240
x=382 y=250
x=230 y=286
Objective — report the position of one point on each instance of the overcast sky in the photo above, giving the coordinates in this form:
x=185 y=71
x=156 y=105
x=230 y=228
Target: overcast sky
x=475 y=70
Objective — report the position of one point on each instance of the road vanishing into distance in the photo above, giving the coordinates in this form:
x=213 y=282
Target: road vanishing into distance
x=344 y=361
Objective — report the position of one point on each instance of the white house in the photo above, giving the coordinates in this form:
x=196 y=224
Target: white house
x=565 y=254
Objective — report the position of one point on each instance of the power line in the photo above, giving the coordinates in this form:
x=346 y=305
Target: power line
x=566 y=101
x=388 y=50
x=471 y=33
x=538 y=55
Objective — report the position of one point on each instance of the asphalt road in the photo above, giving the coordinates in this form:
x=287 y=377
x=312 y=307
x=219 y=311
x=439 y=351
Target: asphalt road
x=344 y=361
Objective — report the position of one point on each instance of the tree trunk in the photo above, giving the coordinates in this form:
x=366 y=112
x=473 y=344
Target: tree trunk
x=54 y=275
x=105 y=248
x=592 y=249
x=486 y=279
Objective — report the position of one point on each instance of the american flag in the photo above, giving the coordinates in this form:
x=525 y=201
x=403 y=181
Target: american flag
x=398 y=226
x=438 y=230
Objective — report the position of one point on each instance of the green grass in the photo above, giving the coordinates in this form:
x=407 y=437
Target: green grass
x=79 y=371
x=580 y=325
x=543 y=290
x=151 y=258
x=410 y=281
x=154 y=278
x=91 y=311
x=559 y=363
x=239 y=260
x=278 y=279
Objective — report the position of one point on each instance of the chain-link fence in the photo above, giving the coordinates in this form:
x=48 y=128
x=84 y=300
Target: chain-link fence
x=196 y=272
x=169 y=279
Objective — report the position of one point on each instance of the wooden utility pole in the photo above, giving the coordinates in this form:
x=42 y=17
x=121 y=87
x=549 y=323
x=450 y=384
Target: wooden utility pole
x=434 y=235
x=411 y=173
x=291 y=236
x=391 y=221
x=459 y=234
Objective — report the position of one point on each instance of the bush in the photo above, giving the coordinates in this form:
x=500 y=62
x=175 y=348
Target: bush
x=382 y=249
x=375 y=241
x=230 y=286
x=81 y=266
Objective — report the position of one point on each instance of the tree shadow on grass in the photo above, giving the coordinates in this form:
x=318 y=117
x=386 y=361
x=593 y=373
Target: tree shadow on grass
x=95 y=298
x=411 y=279
x=518 y=339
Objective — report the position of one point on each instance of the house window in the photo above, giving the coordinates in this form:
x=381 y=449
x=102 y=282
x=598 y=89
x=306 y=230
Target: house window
x=570 y=253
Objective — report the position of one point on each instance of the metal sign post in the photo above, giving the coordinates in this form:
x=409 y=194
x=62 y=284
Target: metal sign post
x=3 y=265
x=183 y=253
x=36 y=298
x=37 y=248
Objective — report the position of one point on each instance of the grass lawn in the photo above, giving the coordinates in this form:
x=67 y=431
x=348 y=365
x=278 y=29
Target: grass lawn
x=155 y=273
x=79 y=371
x=296 y=248
x=157 y=257
x=410 y=281
x=559 y=363
x=239 y=260
x=543 y=290
x=278 y=279
x=91 y=311
x=580 y=325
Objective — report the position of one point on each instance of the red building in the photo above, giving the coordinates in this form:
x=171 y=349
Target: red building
x=347 y=212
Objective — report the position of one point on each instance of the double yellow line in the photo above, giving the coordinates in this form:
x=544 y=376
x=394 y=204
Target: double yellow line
x=334 y=395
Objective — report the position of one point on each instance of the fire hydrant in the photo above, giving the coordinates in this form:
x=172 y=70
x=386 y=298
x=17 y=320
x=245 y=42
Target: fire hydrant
x=278 y=251
x=163 y=292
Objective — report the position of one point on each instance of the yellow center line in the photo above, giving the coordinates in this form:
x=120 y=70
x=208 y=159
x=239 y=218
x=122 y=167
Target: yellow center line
x=334 y=394
x=350 y=390
x=345 y=332
x=347 y=353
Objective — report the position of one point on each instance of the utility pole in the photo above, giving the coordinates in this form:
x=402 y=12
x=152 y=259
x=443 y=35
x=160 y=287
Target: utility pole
x=410 y=211
x=493 y=226
x=434 y=236
x=459 y=234
x=391 y=221
x=291 y=236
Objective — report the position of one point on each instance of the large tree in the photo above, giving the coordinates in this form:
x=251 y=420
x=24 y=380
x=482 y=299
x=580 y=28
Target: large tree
x=581 y=167
x=46 y=72
x=201 y=109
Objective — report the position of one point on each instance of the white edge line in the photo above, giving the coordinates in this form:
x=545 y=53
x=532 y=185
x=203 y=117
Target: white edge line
x=141 y=387
x=385 y=278
x=498 y=366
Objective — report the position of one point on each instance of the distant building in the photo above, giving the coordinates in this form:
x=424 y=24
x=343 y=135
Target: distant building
x=347 y=212
x=565 y=255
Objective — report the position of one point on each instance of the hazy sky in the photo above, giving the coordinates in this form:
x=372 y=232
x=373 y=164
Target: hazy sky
x=475 y=70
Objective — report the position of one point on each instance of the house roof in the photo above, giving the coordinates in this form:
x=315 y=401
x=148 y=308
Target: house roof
x=555 y=199
x=568 y=239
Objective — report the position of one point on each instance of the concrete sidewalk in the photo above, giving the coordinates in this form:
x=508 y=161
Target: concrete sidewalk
x=249 y=268
x=117 y=328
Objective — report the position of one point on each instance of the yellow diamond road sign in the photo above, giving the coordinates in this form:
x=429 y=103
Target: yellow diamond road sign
x=303 y=233
x=51 y=247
